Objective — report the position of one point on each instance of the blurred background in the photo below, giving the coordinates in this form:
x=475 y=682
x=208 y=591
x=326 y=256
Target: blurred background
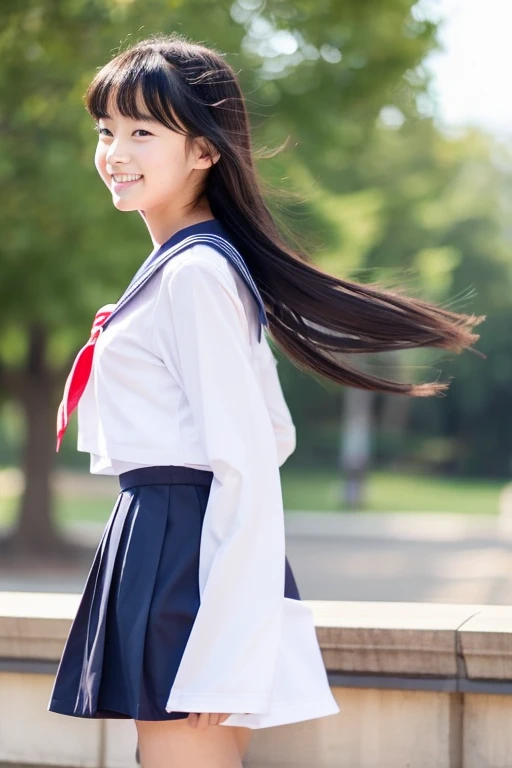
x=398 y=162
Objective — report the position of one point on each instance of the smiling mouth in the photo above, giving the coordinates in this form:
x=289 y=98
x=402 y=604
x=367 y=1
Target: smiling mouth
x=126 y=178
x=120 y=186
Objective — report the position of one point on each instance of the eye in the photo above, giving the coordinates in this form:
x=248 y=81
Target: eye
x=100 y=130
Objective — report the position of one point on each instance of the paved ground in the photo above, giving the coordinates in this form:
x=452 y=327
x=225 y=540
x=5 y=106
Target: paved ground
x=336 y=556
x=425 y=558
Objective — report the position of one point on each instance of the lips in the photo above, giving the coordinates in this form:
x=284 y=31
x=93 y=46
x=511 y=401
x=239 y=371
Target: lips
x=118 y=185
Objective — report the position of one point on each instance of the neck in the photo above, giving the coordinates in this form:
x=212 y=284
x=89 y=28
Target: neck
x=161 y=230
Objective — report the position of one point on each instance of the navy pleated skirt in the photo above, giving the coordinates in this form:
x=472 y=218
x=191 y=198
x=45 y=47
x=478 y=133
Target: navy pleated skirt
x=140 y=600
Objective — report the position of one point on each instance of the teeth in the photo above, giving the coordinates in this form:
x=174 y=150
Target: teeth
x=126 y=177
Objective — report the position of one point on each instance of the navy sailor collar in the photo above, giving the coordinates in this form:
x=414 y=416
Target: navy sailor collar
x=210 y=233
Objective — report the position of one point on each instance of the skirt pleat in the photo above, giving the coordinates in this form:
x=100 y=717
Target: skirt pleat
x=140 y=600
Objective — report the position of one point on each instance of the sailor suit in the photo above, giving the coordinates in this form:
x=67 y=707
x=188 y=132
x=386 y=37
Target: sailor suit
x=190 y=604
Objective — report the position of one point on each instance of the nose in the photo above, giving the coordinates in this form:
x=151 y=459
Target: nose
x=116 y=153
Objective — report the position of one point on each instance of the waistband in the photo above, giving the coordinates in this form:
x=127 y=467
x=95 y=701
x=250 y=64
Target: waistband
x=165 y=475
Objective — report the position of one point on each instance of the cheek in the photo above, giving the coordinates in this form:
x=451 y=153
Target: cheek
x=165 y=173
x=100 y=161
x=166 y=161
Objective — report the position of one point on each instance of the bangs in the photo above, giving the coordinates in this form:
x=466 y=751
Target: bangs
x=140 y=86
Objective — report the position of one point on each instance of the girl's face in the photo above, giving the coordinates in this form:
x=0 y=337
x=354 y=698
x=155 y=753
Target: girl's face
x=146 y=166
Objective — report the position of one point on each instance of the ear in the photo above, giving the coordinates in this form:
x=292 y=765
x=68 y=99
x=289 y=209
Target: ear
x=206 y=154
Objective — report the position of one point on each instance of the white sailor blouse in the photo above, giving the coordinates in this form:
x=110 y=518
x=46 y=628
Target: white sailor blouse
x=183 y=374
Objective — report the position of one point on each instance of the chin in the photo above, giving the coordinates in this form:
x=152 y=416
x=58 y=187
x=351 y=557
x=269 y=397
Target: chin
x=125 y=205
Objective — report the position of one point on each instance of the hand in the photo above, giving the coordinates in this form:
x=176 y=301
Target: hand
x=202 y=720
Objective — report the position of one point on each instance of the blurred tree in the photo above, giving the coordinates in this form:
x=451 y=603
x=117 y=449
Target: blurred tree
x=430 y=213
x=445 y=208
x=322 y=71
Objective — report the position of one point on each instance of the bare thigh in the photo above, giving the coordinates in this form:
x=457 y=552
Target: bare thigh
x=242 y=736
x=174 y=744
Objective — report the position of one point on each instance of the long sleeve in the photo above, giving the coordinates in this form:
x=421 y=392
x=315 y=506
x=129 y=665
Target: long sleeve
x=230 y=658
x=280 y=416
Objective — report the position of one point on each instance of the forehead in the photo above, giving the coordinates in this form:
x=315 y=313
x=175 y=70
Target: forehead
x=140 y=111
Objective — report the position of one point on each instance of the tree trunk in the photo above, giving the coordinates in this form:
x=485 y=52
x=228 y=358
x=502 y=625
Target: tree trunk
x=355 y=444
x=36 y=534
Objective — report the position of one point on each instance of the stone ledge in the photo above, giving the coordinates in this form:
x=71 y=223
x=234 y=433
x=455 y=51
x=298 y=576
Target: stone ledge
x=470 y=642
x=35 y=625
x=485 y=642
x=391 y=638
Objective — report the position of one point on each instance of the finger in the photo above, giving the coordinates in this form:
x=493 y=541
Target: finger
x=203 y=721
x=214 y=718
x=223 y=717
x=192 y=719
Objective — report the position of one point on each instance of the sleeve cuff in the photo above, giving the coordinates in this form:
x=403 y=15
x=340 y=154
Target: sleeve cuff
x=229 y=703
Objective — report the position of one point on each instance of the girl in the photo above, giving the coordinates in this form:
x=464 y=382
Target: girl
x=190 y=617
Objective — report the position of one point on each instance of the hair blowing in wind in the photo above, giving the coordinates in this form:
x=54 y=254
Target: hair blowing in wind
x=315 y=318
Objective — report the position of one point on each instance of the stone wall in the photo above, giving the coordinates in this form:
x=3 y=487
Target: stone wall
x=419 y=685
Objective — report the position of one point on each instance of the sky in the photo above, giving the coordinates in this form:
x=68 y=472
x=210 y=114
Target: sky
x=472 y=76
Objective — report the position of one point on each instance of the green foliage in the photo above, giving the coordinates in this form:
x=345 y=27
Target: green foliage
x=64 y=249
x=377 y=192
